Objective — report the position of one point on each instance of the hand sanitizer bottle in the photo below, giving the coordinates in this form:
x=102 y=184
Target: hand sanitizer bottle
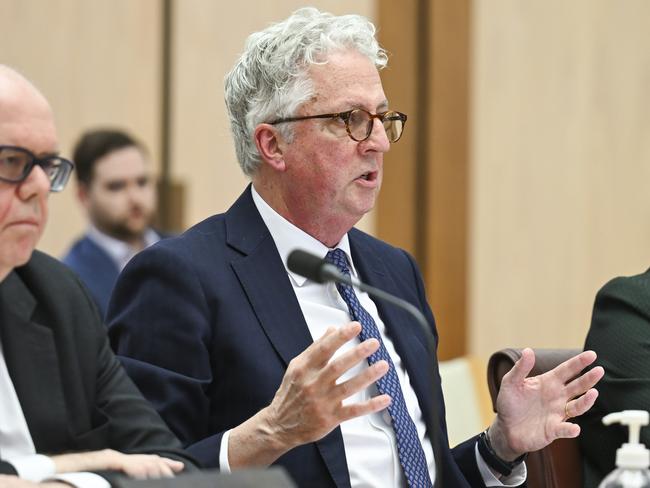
x=632 y=458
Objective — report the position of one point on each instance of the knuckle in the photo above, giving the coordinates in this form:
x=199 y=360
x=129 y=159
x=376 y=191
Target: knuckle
x=337 y=368
x=354 y=411
x=345 y=389
x=318 y=348
x=295 y=369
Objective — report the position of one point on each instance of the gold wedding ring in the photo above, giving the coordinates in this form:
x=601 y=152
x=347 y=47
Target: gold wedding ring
x=566 y=411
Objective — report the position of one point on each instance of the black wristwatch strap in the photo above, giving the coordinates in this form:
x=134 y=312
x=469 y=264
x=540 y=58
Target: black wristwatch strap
x=494 y=461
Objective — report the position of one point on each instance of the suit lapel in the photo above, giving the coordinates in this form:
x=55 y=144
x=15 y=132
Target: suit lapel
x=32 y=361
x=264 y=279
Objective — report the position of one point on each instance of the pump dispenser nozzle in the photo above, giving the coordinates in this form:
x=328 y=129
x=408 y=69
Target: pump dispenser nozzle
x=632 y=454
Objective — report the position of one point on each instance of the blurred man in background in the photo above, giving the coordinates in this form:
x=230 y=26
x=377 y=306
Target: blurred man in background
x=117 y=191
x=62 y=391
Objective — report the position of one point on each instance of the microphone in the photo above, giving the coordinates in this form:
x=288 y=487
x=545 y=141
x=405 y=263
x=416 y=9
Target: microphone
x=318 y=270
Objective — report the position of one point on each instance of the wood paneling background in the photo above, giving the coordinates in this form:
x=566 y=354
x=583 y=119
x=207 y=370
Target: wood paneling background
x=560 y=164
x=423 y=205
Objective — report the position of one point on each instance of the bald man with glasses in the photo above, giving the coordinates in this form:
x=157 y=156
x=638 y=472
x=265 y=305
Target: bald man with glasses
x=67 y=408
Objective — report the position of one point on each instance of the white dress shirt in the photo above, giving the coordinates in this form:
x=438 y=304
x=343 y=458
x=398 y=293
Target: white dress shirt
x=369 y=441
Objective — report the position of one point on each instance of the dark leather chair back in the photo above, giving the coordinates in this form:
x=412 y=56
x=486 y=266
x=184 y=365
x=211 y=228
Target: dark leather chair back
x=558 y=465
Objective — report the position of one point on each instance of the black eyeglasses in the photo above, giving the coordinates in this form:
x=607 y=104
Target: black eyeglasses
x=16 y=163
x=359 y=122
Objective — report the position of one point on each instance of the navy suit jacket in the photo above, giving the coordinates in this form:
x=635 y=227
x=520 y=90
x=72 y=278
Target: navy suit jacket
x=207 y=322
x=95 y=268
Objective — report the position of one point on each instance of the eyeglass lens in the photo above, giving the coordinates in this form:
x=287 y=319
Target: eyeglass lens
x=17 y=163
x=360 y=125
x=12 y=163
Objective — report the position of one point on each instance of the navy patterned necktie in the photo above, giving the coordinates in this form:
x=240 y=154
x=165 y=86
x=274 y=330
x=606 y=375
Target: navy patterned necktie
x=411 y=454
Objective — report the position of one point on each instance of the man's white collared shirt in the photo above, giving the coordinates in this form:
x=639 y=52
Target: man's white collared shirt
x=369 y=441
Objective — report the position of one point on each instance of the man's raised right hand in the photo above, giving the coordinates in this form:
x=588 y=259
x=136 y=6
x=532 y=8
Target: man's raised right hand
x=309 y=403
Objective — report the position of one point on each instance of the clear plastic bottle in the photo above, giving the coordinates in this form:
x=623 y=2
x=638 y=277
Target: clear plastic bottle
x=632 y=458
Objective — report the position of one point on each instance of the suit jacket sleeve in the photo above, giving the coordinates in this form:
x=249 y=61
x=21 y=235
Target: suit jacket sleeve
x=620 y=335
x=135 y=427
x=130 y=422
x=166 y=348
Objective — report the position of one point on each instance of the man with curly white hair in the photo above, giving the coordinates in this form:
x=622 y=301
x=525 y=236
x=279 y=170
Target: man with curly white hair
x=251 y=364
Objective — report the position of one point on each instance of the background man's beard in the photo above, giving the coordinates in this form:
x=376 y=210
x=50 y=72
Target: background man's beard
x=121 y=230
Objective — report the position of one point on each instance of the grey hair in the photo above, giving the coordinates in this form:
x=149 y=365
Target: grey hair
x=270 y=80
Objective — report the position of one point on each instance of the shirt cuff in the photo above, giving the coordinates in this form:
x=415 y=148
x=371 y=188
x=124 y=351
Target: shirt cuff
x=516 y=478
x=34 y=467
x=82 y=480
x=224 y=465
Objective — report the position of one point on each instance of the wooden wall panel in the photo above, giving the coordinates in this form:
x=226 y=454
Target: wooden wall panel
x=398 y=210
x=423 y=206
x=560 y=164
x=446 y=194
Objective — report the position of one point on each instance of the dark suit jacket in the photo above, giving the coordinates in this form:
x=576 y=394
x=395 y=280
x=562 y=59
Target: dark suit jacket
x=620 y=335
x=95 y=268
x=206 y=324
x=73 y=392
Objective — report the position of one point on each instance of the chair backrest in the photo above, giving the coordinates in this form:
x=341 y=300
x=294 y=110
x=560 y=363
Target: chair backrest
x=559 y=465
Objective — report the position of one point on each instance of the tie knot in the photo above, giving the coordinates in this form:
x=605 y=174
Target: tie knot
x=338 y=258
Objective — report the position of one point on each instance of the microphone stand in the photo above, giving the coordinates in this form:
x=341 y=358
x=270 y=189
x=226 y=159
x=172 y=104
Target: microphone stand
x=329 y=272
